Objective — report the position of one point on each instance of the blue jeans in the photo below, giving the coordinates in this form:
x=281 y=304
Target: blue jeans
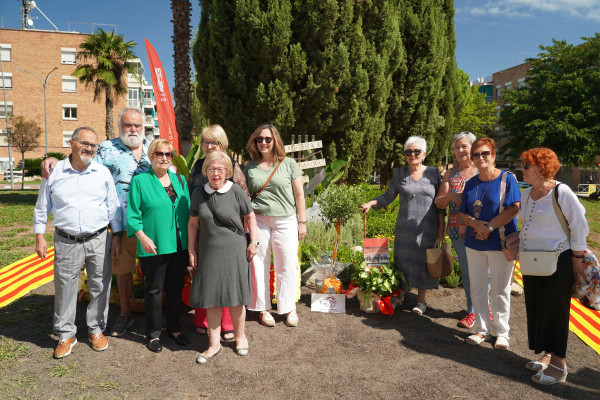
x=459 y=247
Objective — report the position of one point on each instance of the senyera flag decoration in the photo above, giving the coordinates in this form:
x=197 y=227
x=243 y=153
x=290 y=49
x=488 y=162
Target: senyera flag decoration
x=164 y=103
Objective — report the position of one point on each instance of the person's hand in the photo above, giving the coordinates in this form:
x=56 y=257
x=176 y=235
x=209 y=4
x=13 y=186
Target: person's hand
x=441 y=235
x=366 y=207
x=481 y=229
x=41 y=247
x=193 y=259
x=301 y=231
x=115 y=247
x=148 y=245
x=456 y=198
x=251 y=251
x=578 y=271
x=47 y=166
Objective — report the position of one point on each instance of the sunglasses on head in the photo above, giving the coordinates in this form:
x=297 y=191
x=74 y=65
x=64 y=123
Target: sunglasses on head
x=525 y=165
x=160 y=154
x=411 y=152
x=483 y=154
x=260 y=139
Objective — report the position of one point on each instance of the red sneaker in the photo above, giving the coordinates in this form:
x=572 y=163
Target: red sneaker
x=491 y=313
x=468 y=321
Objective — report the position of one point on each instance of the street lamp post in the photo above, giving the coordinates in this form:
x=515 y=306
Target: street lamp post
x=44 y=82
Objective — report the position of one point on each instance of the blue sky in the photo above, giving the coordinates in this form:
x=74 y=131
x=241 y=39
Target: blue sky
x=490 y=35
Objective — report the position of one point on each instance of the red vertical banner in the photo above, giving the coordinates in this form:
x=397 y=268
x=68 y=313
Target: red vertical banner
x=164 y=103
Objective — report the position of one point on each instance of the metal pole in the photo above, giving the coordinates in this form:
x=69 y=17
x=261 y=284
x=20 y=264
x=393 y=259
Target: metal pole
x=8 y=133
x=48 y=76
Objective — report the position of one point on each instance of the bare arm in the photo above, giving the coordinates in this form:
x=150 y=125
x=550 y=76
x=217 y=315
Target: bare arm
x=445 y=196
x=147 y=243
x=300 y=206
x=41 y=247
x=47 y=166
x=250 y=220
x=192 y=241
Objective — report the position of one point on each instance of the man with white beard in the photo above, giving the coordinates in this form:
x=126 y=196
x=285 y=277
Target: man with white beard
x=125 y=157
x=82 y=197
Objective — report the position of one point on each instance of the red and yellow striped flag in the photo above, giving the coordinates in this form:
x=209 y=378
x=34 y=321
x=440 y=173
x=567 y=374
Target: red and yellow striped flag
x=21 y=277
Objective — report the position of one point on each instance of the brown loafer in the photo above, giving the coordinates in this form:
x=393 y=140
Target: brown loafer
x=98 y=340
x=64 y=347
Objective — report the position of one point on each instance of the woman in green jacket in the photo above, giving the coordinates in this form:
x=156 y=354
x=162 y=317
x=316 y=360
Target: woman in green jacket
x=157 y=214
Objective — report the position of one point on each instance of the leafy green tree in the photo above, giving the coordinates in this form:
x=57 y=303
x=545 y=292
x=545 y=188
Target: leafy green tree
x=104 y=67
x=181 y=59
x=25 y=135
x=476 y=115
x=422 y=97
x=560 y=107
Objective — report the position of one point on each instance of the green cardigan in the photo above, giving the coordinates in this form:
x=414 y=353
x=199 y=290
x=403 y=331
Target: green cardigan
x=150 y=209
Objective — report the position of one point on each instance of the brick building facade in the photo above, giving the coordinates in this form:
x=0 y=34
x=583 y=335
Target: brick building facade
x=69 y=103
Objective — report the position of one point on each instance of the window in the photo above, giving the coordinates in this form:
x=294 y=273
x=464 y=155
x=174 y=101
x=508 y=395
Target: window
x=68 y=55
x=3 y=138
x=134 y=98
x=521 y=83
x=69 y=111
x=5 y=52
x=507 y=85
x=66 y=137
x=69 y=84
x=6 y=80
x=498 y=92
x=6 y=108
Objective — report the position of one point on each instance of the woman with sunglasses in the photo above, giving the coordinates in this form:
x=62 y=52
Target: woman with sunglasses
x=213 y=138
x=450 y=195
x=157 y=214
x=420 y=223
x=480 y=211
x=275 y=185
x=548 y=298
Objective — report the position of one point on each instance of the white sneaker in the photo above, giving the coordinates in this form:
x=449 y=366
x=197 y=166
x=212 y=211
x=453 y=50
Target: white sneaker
x=266 y=319
x=292 y=319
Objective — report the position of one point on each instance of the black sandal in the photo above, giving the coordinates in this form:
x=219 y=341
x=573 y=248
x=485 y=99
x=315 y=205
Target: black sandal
x=231 y=339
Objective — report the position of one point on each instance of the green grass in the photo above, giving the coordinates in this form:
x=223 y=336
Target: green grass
x=10 y=349
x=62 y=370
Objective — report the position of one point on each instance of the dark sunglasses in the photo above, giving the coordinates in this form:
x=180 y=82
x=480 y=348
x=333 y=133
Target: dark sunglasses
x=483 y=154
x=160 y=154
x=411 y=152
x=525 y=165
x=259 y=139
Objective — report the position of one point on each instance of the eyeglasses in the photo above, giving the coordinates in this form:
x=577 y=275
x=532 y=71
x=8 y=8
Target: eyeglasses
x=206 y=143
x=411 y=152
x=212 y=170
x=129 y=125
x=87 y=144
x=267 y=140
x=483 y=154
x=160 y=154
x=525 y=165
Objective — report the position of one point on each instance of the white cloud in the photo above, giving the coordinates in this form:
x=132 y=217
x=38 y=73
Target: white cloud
x=587 y=9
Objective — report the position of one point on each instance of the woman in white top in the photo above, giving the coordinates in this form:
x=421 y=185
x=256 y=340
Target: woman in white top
x=548 y=298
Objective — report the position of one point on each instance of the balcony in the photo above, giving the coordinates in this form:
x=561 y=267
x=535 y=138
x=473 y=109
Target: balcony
x=148 y=102
x=149 y=120
x=134 y=103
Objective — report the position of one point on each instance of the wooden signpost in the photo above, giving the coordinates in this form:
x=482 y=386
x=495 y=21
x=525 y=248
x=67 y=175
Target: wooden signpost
x=309 y=159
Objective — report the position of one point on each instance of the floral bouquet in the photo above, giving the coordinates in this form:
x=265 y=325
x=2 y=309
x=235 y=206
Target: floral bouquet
x=376 y=287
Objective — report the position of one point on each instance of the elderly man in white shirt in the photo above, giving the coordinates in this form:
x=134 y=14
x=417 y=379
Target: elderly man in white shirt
x=82 y=197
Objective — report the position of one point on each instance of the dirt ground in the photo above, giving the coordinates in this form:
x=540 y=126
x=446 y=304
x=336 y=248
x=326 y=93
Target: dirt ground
x=353 y=355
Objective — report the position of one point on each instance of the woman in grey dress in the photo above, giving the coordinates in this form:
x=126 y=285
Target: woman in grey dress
x=222 y=278
x=419 y=221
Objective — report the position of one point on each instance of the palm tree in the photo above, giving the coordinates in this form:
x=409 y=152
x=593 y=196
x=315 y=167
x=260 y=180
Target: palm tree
x=181 y=57
x=105 y=67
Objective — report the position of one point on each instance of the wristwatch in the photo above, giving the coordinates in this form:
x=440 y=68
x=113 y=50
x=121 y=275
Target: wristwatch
x=491 y=227
x=254 y=242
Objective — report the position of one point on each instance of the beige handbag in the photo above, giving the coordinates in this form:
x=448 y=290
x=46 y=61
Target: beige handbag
x=540 y=263
x=439 y=260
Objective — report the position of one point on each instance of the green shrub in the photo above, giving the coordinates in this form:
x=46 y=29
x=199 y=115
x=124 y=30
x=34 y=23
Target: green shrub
x=324 y=238
x=58 y=155
x=455 y=278
x=33 y=166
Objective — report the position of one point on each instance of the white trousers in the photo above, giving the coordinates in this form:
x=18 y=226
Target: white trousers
x=492 y=265
x=280 y=236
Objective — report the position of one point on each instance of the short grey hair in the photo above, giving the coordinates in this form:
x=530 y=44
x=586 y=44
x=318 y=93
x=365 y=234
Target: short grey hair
x=77 y=131
x=416 y=140
x=128 y=109
x=460 y=135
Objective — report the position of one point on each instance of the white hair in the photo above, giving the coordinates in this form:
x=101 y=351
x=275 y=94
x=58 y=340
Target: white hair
x=461 y=135
x=416 y=140
x=128 y=109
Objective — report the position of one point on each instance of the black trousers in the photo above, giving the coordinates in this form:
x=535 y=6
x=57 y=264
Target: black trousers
x=167 y=270
x=548 y=306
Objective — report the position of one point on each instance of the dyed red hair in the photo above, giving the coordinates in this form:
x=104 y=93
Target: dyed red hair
x=544 y=159
x=483 y=141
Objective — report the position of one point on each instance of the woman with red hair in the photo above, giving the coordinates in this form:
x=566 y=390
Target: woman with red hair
x=487 y=209
x=548 y=298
